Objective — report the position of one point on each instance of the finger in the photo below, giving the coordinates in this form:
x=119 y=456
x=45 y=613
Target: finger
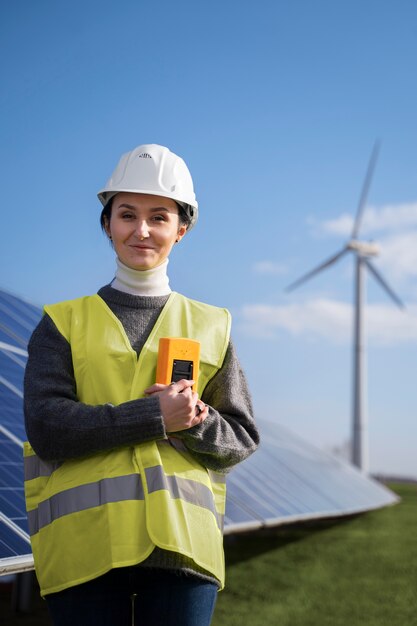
x=201 y=412
x=182 y=385
x=199 y=408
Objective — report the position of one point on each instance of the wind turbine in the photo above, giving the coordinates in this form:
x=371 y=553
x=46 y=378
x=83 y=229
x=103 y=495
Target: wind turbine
x=363 y=251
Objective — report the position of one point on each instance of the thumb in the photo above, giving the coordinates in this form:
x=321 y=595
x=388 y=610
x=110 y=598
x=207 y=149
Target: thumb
x=155 y=387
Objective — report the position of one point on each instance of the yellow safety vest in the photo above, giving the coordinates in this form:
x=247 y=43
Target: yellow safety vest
x=91 y=514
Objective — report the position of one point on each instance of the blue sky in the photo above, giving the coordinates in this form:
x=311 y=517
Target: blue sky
x=275 y=107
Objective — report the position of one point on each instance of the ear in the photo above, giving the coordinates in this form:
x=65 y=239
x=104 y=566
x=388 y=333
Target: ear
x=181 y=232
x=107 y=226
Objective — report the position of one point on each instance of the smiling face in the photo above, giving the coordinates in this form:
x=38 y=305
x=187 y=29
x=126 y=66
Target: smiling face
x=143 y=229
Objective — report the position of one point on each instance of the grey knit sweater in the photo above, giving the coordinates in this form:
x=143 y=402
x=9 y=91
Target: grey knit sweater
x=60 y=427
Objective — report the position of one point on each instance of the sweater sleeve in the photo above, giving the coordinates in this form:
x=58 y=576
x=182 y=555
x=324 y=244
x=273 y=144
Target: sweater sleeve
x=60 y=427
x=229 y=434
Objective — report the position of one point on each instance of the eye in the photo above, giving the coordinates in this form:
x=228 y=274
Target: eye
x=127 y=215
x=159 y=218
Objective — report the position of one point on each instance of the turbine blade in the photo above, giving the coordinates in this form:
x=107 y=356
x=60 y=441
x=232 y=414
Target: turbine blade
x=365 y=189
x=316 y=270
x=384 y=284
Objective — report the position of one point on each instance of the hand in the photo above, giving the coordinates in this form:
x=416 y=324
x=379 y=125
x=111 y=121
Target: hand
x=180 y=407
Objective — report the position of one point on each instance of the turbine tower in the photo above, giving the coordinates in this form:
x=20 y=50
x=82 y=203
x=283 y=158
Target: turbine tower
x=363 y=251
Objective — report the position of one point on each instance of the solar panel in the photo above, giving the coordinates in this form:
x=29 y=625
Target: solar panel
x=286 y=480
x=289 y=480
x=17 y=320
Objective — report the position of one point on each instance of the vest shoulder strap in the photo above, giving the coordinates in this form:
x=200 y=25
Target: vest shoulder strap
x=62 y=312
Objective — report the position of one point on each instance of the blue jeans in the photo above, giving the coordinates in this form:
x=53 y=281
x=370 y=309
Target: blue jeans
x=163 y=598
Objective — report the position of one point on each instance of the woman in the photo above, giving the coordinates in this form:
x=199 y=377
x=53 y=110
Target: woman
x=124 y=478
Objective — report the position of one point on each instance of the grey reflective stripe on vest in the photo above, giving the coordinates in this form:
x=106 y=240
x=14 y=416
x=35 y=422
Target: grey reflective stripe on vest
x=35 y=467
x=85 y=497
x=215 y=477
x=182 y=488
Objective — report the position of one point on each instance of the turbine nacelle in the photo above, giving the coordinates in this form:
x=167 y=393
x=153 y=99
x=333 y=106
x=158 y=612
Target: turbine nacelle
x=364 y=248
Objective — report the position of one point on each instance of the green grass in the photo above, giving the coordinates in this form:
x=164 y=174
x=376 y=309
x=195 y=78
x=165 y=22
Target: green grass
x=354 y=572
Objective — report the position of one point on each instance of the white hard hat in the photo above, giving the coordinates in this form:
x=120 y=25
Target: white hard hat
x=155 y=170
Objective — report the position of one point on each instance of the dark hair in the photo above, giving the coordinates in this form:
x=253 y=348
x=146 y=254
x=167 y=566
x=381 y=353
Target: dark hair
x=105 y=215
x=183 y=217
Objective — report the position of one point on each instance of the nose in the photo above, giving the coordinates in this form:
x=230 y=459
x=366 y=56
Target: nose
x=142 y=229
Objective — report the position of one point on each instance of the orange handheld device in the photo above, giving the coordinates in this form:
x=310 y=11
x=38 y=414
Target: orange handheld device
x=177 y=358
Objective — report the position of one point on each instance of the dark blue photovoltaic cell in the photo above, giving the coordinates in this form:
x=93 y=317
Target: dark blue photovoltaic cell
x=286 y=480
x=12 y=367
x=11 y=544
x=12 y=503
x=17 y=321
x=18 y=316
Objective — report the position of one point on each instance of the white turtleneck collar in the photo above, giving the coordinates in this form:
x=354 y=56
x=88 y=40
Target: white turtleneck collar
x=153 y=282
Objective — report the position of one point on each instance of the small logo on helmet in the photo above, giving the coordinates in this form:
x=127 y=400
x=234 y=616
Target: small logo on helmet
x=144 y=155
